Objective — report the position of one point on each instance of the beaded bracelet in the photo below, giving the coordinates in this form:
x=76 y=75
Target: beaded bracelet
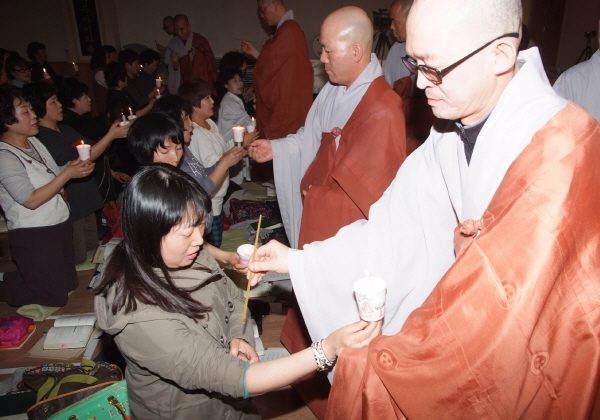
x=323 y=363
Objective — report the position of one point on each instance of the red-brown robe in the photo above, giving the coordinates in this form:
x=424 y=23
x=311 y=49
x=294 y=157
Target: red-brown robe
x=341 y=186
x=283 y=82
x=512 y=330
x=417 y=113
x=203 y=65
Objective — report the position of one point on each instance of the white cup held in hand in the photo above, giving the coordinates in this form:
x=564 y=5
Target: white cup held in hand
x=84 y=151
x=245 y=252
x=238 y=134
x=370 y=297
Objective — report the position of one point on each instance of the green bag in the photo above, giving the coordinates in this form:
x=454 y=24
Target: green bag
x=110 y=403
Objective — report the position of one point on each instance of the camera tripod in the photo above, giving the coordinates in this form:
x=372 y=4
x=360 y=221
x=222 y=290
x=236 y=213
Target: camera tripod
x=586 y=54
x=381 y=42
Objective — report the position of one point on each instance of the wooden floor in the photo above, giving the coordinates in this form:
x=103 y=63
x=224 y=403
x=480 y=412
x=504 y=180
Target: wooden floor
x=277 y=405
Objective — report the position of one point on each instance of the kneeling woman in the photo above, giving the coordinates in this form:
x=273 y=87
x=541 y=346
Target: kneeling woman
x=176 y=317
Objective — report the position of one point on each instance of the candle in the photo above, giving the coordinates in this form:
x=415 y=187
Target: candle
x=46 y=75
x=157 y=93
x=253 y=122
x=159 y=82
x=131 y=116
x=75 y=67
x=238 y=135
x=250 y=128
x=84 y=150
x=124 y=122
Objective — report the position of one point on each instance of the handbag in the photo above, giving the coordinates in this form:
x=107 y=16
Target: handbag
x=112 y=215
x=102 y=402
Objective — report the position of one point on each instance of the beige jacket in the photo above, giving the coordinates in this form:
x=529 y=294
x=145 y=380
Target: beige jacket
x=178 y=368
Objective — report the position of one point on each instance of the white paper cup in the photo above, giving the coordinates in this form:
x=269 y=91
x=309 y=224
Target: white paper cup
x=245 y=252
x=84 y=151
x=238 y=134
x=250 y=128
x=370 y=297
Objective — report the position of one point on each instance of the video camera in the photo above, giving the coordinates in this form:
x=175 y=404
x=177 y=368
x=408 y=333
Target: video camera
x=381 y=19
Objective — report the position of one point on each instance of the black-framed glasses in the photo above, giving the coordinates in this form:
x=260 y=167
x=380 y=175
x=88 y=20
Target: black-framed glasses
x=262 y=9
x=434 y=75
x=22 y=69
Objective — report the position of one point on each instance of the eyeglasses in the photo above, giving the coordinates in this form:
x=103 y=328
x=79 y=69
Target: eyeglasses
x=434 y=75
x=262 y=9
x=22 y=69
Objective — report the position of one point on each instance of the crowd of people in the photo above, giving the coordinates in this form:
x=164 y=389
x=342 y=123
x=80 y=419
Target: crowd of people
x=458 y=175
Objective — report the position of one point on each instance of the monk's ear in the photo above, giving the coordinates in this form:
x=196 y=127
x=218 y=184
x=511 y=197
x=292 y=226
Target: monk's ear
x=505 y=56
x=357 y=52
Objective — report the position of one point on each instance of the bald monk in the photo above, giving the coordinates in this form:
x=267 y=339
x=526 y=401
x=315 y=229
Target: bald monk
x=488 y=238
x=418 y=114
x=283 y=74
x=330 y=172
x=189 y=56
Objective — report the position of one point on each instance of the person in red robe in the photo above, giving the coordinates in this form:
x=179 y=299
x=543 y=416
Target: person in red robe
x=488 y=238
x=354 y=142
x=283 y=74
x=194 y=58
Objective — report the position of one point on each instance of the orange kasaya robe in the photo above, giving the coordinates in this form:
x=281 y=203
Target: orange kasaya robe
x=417 y=113
x=512 y=330
x=283 y=82
x=341 y=185
x=201 y=64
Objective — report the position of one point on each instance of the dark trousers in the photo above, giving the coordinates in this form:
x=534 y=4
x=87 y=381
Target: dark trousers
x=45 y=263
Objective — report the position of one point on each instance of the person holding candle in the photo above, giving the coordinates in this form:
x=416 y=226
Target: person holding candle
x=41 y=69
x=165 y=299
x=83 y=196
x=149 y=60
x=230 y=87
x=238 y=60
x=31 y=195
x=209 y=146
x=163 y=137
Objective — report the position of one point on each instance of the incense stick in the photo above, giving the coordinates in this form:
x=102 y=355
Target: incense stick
x=245 y=40
x=251 y=273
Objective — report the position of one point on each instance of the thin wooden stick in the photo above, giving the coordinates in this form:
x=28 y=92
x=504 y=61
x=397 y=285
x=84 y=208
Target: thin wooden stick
x=245 y=40
x=251 y=273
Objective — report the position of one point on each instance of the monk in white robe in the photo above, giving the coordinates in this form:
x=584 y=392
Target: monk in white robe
x=491 y=261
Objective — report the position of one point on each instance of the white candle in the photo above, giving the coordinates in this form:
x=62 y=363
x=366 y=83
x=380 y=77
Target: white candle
x=84 y=150
x=238 y=135
x=159 y=82
x=131 y=116
x=157 y=93
x=124 y=122
x=75 y=67
x=46 y=75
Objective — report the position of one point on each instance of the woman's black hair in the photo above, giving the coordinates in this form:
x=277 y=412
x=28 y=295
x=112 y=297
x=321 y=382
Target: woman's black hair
x=113 y=72
x=156 y=199
x=148 y=56
x=8 y=94
x=225 y=76
x=15 y=61
x=37 y=94
x=172 y=106
x=194 y=91
x=232 y=59
x=69 y=90
x=149 y=132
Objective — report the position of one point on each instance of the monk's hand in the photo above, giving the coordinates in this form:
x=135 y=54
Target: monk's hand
x=355 y=335
x=249 y=48
x=243 y=351
x=261 y=150
x=233 y=156
x=304 y=192
x=270 y=257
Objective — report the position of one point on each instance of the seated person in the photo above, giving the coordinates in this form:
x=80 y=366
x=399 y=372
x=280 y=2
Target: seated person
x=133 y=89
x=149 y=60
x=158 y=138
x=237 y=60
x=18 y=71
x=36 y=51
x=208 y=145
x=101 y=56
x=233 y=114
x=40 y=233
x=177 y=318
x=82 y=194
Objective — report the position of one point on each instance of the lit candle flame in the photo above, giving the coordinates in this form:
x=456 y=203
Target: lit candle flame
x=159 y=78
x=82 y=142
x=130 y=113
x=44 y=70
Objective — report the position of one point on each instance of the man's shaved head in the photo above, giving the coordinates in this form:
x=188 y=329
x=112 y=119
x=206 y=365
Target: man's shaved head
x=346 y=40
x=442 y=32
x=180 y=17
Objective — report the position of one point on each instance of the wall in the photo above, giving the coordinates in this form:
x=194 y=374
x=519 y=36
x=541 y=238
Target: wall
x=580 y=16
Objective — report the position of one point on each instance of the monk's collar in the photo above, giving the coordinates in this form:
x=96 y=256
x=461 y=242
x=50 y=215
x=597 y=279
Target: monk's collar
x=469 y=134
